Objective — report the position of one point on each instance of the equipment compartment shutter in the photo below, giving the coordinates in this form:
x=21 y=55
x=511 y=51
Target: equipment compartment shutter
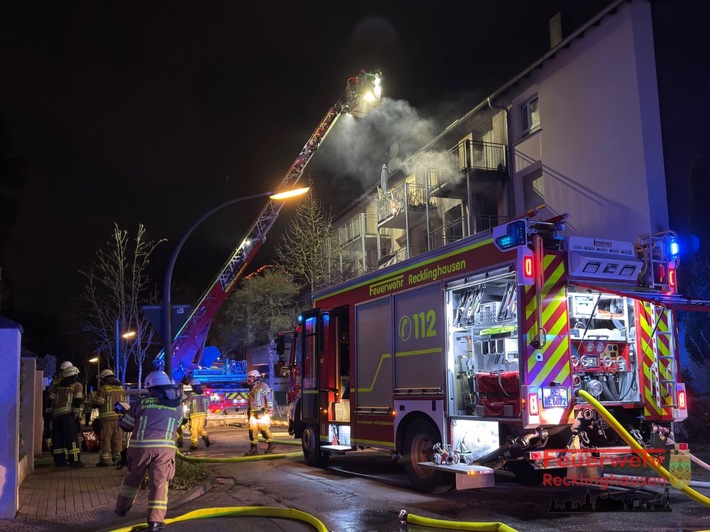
x=420 y=320
x=373 y=323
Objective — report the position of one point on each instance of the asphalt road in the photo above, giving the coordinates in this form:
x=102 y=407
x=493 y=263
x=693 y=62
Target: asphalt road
x=365 y=491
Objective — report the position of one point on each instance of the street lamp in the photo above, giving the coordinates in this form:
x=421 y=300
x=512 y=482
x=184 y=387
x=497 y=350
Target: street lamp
x=167 y=330
x=97 y=360
x=128 y=335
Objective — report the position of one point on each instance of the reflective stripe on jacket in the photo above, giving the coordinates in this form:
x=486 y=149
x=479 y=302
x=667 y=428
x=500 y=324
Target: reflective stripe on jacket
x=260 y=396
x=107 y=396
x=199 y=405
x=152 y=424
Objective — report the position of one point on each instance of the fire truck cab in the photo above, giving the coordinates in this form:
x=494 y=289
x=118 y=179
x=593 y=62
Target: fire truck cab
x=467 y=358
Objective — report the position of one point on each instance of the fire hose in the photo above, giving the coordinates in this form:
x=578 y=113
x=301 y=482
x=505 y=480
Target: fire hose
x=407 y=518
x=240 y=511
x=631 y=441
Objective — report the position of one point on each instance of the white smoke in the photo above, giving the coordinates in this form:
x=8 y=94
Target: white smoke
x=389 y=134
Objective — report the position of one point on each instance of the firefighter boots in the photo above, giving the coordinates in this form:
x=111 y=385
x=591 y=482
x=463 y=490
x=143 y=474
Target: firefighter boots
x=269 y=448
x=207 y=440
x=103 y=464
x=253 y=450
x=193 y=447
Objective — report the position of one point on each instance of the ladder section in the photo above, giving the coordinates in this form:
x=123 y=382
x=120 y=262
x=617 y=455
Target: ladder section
x=664 y=367
x=193 y=334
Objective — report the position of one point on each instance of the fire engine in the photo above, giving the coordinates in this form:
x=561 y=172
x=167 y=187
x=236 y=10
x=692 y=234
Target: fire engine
x=466 y=358
x=361 y=94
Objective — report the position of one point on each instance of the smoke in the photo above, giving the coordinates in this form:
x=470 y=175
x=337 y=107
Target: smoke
x=357 y=147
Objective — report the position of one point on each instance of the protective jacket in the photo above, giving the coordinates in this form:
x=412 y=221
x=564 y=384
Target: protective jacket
x=66 y=397
x=156 y=423
x=260 y=397
x=108 y=395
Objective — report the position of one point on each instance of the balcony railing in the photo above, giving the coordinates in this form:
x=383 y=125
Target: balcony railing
x=395 y=201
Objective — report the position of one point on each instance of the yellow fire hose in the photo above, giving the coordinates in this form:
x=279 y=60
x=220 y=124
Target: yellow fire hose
x=238 y=458
x=240 y=511
x=406 y=517
x=631 y=441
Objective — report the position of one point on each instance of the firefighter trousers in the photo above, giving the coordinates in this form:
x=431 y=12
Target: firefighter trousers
x=257 y=425
x=198 y=428
x=110 y=440
x=160 y=465
x=65 y=442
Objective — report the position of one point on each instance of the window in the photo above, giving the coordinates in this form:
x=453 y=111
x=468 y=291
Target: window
x=529 y=116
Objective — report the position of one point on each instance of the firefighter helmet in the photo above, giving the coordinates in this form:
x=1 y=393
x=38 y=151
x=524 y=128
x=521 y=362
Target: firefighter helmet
x=66 y=364
x=254 y=373
x=157 y=378
x=69 y=371
x=106 y=373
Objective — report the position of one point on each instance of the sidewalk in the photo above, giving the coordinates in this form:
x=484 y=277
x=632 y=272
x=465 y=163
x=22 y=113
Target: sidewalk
x=83 y=499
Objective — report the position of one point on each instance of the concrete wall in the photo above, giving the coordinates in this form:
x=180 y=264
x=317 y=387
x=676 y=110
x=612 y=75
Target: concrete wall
x=10 y=343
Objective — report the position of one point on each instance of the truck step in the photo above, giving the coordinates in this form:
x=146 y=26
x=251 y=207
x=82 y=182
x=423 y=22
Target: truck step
x=467 y=476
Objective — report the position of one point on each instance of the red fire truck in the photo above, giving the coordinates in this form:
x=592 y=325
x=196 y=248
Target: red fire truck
x=467 y=358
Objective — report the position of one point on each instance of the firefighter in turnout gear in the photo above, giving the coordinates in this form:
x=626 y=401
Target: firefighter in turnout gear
x=110 y=434
x=65 y=400
x=152 y=422
x=199 y=404
x=259 y=413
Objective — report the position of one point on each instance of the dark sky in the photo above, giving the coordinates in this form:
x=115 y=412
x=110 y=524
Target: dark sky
x=155 y=112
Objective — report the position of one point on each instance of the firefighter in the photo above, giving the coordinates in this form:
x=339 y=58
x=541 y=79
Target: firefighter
x=110 y=434
x=47 y=414
x=259 y=413
x=152 y=422
x=65 y=400
x=199 y=404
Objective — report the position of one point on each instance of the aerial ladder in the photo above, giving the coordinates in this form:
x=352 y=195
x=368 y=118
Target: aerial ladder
x=361 y=94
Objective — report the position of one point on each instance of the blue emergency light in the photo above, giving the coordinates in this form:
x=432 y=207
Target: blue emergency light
x=516 y=234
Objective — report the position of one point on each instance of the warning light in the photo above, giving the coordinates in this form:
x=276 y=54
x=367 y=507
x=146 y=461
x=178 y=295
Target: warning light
x=511 y=235
x=526 y=266
x=673 y=247
x=672 y=280
x=681 y=400
x=533 y=405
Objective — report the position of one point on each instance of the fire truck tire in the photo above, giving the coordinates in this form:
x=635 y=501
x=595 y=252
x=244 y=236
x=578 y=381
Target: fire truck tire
x=419 y=439
x=310 y=441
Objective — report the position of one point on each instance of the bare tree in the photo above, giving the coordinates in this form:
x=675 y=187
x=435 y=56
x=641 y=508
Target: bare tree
x=307 y=249
x=116 y=288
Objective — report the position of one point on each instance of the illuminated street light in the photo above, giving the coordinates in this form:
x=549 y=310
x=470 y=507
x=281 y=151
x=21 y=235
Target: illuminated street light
x=97 y=360
x=167 y=328
x=127 y=335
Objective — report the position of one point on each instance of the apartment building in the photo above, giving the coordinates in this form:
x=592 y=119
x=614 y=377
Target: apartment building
x=577 y=132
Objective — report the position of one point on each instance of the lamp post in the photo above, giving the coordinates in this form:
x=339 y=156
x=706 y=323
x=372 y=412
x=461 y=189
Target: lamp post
x=167 y=330
x=126 y=336
x=97 y=360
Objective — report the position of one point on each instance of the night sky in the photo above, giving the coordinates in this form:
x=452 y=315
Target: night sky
x=155 y=112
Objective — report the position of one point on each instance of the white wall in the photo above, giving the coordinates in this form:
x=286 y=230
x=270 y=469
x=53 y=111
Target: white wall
x=599 y=145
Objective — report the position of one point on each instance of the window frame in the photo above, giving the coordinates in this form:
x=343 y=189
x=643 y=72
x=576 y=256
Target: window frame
x=526 y=116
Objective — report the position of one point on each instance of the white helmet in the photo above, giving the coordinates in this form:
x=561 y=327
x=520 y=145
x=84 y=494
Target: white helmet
x=254 y=373
x=157 y=378
x=66 y=364
x=106 y=373
x=69 y=371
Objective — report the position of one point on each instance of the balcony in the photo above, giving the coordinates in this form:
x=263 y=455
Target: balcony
x=403 y=206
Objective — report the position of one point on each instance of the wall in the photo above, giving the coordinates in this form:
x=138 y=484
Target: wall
x=599 y=145
x=10 y=341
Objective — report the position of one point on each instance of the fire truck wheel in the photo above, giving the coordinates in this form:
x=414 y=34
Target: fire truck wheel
x=311 y=447
x=419 y=439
